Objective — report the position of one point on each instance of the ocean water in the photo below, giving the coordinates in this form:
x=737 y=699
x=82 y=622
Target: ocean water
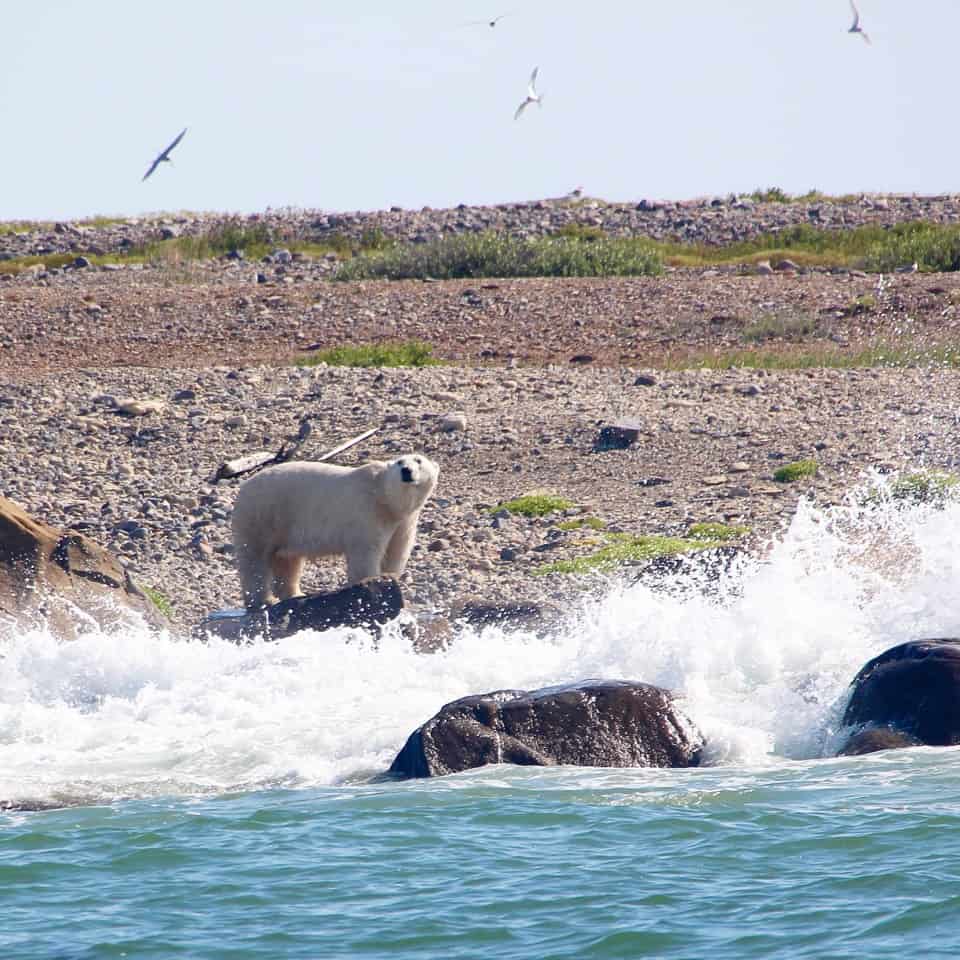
x=226 y=802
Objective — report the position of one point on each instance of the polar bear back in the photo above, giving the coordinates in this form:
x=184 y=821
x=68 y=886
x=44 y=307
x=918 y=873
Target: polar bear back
x=312 y=509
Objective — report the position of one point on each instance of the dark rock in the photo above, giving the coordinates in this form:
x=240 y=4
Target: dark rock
x=598 y=723
x=526 y=614
x=618 y=436
x=644 y=380
x=367 y=605
x=708 y=564
x=80 y=263
x=62 y=580
x=910 y=694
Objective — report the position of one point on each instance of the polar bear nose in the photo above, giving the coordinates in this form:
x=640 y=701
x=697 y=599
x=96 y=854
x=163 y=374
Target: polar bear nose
x=406 y=475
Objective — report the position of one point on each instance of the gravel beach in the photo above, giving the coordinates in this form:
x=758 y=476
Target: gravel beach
x=534 y=369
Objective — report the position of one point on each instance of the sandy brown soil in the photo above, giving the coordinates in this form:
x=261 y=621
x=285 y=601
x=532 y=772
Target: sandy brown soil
x=215 y=315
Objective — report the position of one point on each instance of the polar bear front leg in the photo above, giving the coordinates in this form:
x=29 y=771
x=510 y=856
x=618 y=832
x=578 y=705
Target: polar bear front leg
x=363 y=563
x=398 y=549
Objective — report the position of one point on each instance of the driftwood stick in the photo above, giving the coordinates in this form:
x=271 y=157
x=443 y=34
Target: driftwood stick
x=263 y=458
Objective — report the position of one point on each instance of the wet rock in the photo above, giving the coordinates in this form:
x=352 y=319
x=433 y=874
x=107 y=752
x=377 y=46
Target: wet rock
x=910 y=694
x=63 y=580
x=366 y=605
x=600 y=723
x=524 y=614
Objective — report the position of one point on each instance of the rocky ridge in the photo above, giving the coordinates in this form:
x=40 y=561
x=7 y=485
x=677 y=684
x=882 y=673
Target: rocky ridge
x=712 y=220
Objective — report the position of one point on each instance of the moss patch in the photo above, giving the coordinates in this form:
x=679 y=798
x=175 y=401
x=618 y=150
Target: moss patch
x=627 y=548
x=580 y=523
x=411 y=353
x=536 y=505
x=925 y=487
x=791 y=472
x=716 y=531
x=162 y=603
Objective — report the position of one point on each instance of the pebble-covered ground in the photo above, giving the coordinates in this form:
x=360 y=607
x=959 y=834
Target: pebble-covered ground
x=535 y=369
x=710 y=442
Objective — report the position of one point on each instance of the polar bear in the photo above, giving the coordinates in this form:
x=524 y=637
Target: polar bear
x=305 y=510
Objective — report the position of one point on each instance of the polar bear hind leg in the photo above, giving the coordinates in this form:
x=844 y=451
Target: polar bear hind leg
x=255 y=576
x=287 y=571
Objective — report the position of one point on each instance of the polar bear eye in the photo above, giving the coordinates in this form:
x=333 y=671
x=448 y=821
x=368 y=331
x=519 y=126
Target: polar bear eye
x=417 y=460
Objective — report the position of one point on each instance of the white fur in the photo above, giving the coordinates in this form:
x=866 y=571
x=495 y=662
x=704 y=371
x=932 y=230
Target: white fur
x=302 y=510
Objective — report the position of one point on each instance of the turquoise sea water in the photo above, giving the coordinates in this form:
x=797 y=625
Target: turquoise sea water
x=224 y=802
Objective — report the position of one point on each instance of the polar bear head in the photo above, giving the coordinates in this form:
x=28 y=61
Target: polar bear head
x=410 y=479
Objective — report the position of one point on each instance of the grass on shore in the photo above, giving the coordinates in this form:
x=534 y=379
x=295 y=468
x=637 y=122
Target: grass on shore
x=410 y=353
x=577 y=250
x=474 y=256
x=253 y=240
x=806 y=357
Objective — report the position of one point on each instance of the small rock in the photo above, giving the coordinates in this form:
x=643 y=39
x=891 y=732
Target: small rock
x=453 y=422
x=618 y=436
x=139 y=408
x=435 y=546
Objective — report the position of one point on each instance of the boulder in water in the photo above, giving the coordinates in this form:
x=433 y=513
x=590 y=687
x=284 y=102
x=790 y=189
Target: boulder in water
x=908 y=695
x=597 y=723
x=62 y=581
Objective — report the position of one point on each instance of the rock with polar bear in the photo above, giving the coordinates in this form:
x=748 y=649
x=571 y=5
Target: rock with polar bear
x=304 y=510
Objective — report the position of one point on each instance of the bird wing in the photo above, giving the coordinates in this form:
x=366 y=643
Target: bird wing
x=179 y=137
x=533 y=82
x=153 y=166
x=856 y=16
x=865 y=37
x=520 y=109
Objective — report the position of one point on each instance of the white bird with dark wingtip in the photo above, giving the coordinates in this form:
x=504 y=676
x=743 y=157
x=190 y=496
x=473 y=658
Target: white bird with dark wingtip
x=856 y=28
x=532 y=95
x=164 y=156
x=488 y=23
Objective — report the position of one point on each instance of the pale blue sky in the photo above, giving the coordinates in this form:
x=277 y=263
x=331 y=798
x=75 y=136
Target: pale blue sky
x=360 y=105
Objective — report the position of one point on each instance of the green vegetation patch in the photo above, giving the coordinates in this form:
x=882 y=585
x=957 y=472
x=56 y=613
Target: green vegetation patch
x=925 y=487
x=881 y=354
x=490 y=254
x=716 y=531
x=627 y=548
x=791 y=472
x=536 y=505
x=932 y=246
x=581 y=523
x=162 y=603
x=411 y=353
x=784 y=325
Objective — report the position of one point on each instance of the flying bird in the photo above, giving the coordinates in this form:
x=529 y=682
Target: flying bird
x=856 y=28
x=487 y=23
x=532 y=95
x=164 y=156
